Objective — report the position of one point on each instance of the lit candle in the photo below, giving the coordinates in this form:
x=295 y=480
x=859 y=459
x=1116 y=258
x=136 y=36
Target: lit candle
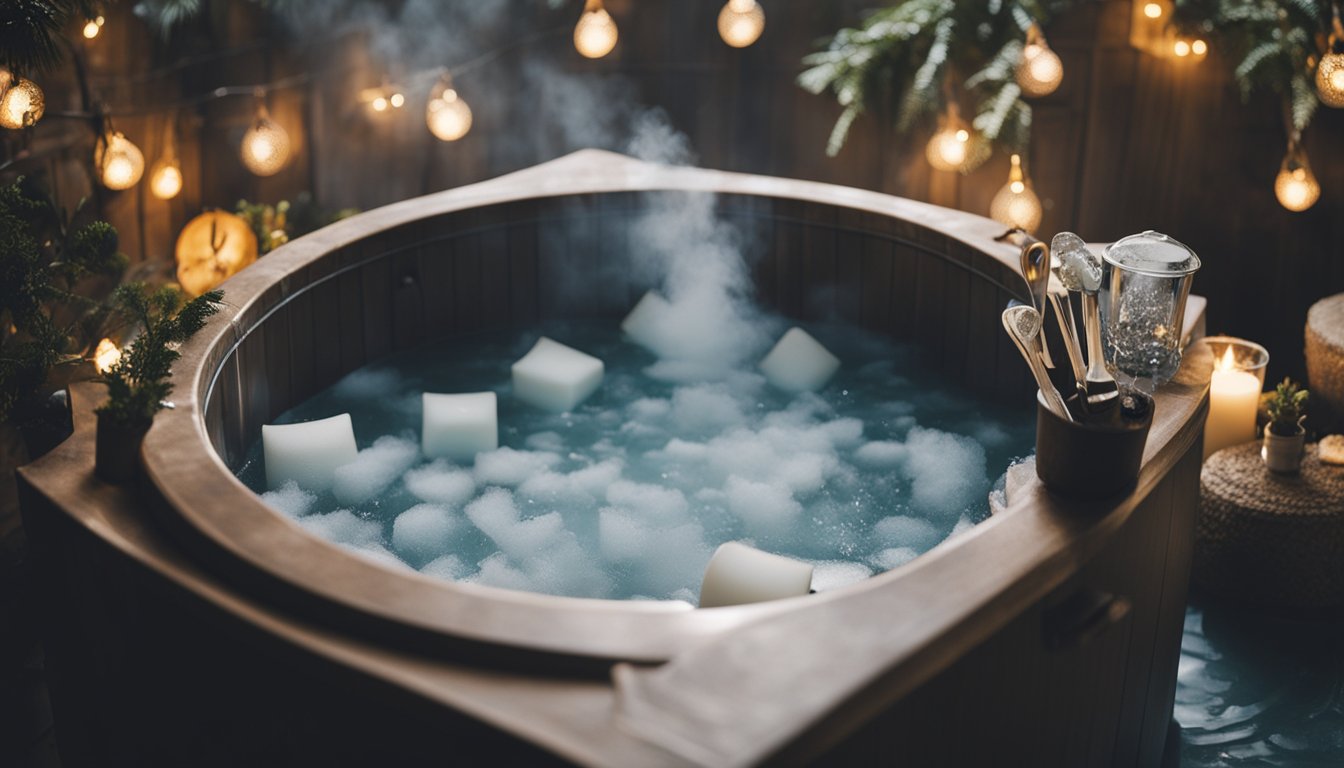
x=1234 y=396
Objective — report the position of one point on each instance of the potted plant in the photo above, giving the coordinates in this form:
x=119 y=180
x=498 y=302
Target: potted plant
x=137 y=384
x=1284 y=435
x=48 y=323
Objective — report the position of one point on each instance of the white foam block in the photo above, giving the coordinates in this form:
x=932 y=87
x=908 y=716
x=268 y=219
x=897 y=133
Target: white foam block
x=739 y=574
x=647 y=321
x=459 y=426
x=799 y=363
x=555 y=377
x=307 y=453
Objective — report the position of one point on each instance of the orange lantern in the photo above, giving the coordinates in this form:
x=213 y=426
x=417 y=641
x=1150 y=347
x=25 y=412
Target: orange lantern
x=211 y=248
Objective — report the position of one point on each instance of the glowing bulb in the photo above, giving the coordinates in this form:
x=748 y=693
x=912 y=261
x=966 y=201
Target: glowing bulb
x=954 y=147
x=91 y=30
x=1296 y=186
x=1040 y=71
x=1330 y=80
x=165 y=181
x=963 y=136
x=21 y=101
x=265 y=148
x=1016 y=205
x=120 y=163
x=397 y=100
x=1199 y=47
x=448 y=116
x=741 y=22
x=1181 y=48
x=379 y=104
x=105 y=356
x=595 y=34
x=1152 y=11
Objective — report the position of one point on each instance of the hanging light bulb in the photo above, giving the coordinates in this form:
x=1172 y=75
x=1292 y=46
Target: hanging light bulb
x=265 y=148
x=1296 y=186
x=1040 y=71
x=595 y=34
x=447 y=114
x=1152 y=10
x=165 y=180
x=741 y=22
x=383 y=98
x=954 y=147
x=21 y=101
x=93 y=27
x=120 y=163
x=1330 y=72
x=106 y=355
x=1016 y=204
x=1181 y=48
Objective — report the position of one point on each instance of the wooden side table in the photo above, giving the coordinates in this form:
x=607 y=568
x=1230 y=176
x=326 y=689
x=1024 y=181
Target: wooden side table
x=1270 y=539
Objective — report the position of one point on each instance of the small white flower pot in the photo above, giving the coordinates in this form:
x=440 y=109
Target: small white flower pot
x=1283 y=454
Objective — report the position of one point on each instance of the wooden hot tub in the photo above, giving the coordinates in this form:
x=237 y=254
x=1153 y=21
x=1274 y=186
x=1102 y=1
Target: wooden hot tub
x=188 y=624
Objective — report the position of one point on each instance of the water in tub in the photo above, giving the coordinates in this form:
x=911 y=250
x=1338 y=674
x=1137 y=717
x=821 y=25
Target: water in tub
x=627 y=494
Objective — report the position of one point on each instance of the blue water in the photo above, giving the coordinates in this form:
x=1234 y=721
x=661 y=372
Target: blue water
x=648 y=476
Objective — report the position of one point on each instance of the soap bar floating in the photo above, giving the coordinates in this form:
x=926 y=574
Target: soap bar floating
x=458 y=427
x=555 y=377
x=738 y=574
x=799 y=363
x=308 y=453
x=647 y=322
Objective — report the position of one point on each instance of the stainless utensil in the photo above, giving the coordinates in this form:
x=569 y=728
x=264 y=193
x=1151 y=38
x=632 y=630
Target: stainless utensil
x=1080 y=270
x=1035 y=262
x=1023 y=325
x=1069 y=330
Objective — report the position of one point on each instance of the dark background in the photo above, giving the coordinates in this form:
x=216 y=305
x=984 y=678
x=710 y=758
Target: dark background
x=1129 y=142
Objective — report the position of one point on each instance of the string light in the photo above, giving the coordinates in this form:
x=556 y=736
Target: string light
x=954 y=147
x=106 y=355
x=1152 y=10
x=1330 y=72
x=741 y=22
x=1181 y=48
x=447 y=114
x=120 y=163
x=383 y=98
x=21 y=101
x=1296 y=186
x=1016 y=204
x=93 y=27
x=265 y=147
x=1040 y=71
x=595 y=34
x=165 y=178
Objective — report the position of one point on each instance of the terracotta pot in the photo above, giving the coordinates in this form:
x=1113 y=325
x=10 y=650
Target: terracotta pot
x=117 y=452
x=1283 y=453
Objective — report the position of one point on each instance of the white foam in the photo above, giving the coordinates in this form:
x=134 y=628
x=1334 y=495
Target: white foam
x=496 y=515
x=649 y=409
x=368 y=384
x=894 y=557
x=834 y=574
x=496 y=571
x=507 y=466
x=423 y=532
x=881 y=454
x=905 y=531
x=621 y=536
x=799 y=363
x=545 y=441
x=704 y=409
x=648 y=502
x=344 y=527
x=373 y=469
x=459 y=426
x=555 y=377
x=947 y=471
x=440 y=482
x=307 y=453
x=378 y=554
x=447 y=567
x=289 y=500
x=763 y=508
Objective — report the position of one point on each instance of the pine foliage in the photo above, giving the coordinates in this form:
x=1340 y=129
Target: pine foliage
x=30 y=31
x=44 y=321
x=914 y=50
x=138 y=384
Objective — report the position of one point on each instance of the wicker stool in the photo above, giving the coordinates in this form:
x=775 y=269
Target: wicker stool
x=1325 y=363
x=1269 y=539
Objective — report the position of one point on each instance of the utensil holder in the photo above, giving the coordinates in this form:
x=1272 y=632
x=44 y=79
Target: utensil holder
x=1090 y=461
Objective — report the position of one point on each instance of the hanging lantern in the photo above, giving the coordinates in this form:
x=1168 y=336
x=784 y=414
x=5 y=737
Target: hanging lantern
x=1296 y=186
x=1016 y=204
x=21 y=101
x=120 y=163
x=212 y=248
x=447 y=114
x=265 y=148
x=954 y=147
x=1040 y=71
x=741 y=22
x=595 y=34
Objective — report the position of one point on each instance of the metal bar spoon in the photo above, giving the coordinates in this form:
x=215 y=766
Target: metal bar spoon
x=1080 y=270
x=1035 y=262
x=1023 y=325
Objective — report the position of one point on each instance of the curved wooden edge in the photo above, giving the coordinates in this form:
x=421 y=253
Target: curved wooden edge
x=224 y=524
x=774 y=679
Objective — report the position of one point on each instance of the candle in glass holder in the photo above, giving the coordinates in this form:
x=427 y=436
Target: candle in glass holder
x=1234 y=393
